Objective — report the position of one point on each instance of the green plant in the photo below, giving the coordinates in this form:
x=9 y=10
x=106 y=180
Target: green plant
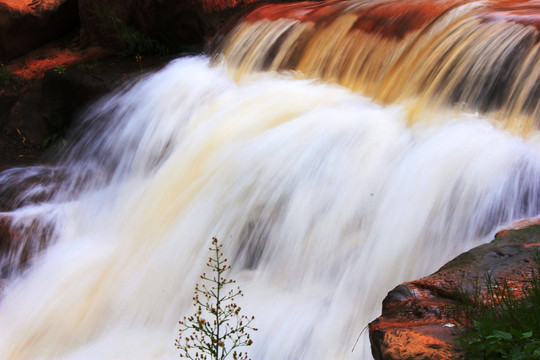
x=217 y=328
x=5 y=75
x=59 y=69
x=505 y=324
x=55 y=139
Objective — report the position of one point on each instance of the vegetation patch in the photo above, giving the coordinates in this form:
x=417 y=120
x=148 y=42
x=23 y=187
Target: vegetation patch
x=504 y=324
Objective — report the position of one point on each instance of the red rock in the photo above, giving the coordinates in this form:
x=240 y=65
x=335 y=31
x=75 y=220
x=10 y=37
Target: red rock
x=27 y=24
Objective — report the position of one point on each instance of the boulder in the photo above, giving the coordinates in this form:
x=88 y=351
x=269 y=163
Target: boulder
x=419 y=318
x=27 y=24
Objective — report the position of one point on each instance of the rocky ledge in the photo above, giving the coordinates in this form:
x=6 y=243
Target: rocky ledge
x=419 y=318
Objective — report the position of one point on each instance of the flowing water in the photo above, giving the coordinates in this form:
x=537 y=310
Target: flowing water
x=323 y=199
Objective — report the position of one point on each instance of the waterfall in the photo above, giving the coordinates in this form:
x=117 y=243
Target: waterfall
x=324 y=196
x=431 y=53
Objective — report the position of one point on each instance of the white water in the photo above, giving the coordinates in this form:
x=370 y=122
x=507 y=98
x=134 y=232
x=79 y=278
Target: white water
x=324 y=201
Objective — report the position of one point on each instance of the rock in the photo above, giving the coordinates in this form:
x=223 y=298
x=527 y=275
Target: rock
x=419 y=318
x=27 y=24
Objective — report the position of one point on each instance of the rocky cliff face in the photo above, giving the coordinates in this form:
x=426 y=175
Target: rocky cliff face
x=419 y=320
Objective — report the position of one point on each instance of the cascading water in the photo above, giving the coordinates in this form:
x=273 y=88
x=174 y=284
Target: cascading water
x=324 y=201
x=439 y=53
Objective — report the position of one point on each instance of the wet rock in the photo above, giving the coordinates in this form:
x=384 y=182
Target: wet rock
x=27 y=24
x=419 y=319
x=21 y=239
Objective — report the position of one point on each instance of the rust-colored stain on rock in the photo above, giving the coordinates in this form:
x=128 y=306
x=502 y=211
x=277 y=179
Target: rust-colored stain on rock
x=415 y=345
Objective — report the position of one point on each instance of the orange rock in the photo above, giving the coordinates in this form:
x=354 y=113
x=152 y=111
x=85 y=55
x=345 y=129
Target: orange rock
x=516 y=226
x=34 y=64
x=409 y=344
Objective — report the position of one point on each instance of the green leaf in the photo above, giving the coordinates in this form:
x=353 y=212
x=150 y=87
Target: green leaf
x=502 y=335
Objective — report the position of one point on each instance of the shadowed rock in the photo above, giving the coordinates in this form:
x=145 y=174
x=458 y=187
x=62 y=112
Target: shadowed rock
x=27 y=24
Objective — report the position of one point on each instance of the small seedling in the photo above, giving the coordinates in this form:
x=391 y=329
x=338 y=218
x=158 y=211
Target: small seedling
x=59 y=69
